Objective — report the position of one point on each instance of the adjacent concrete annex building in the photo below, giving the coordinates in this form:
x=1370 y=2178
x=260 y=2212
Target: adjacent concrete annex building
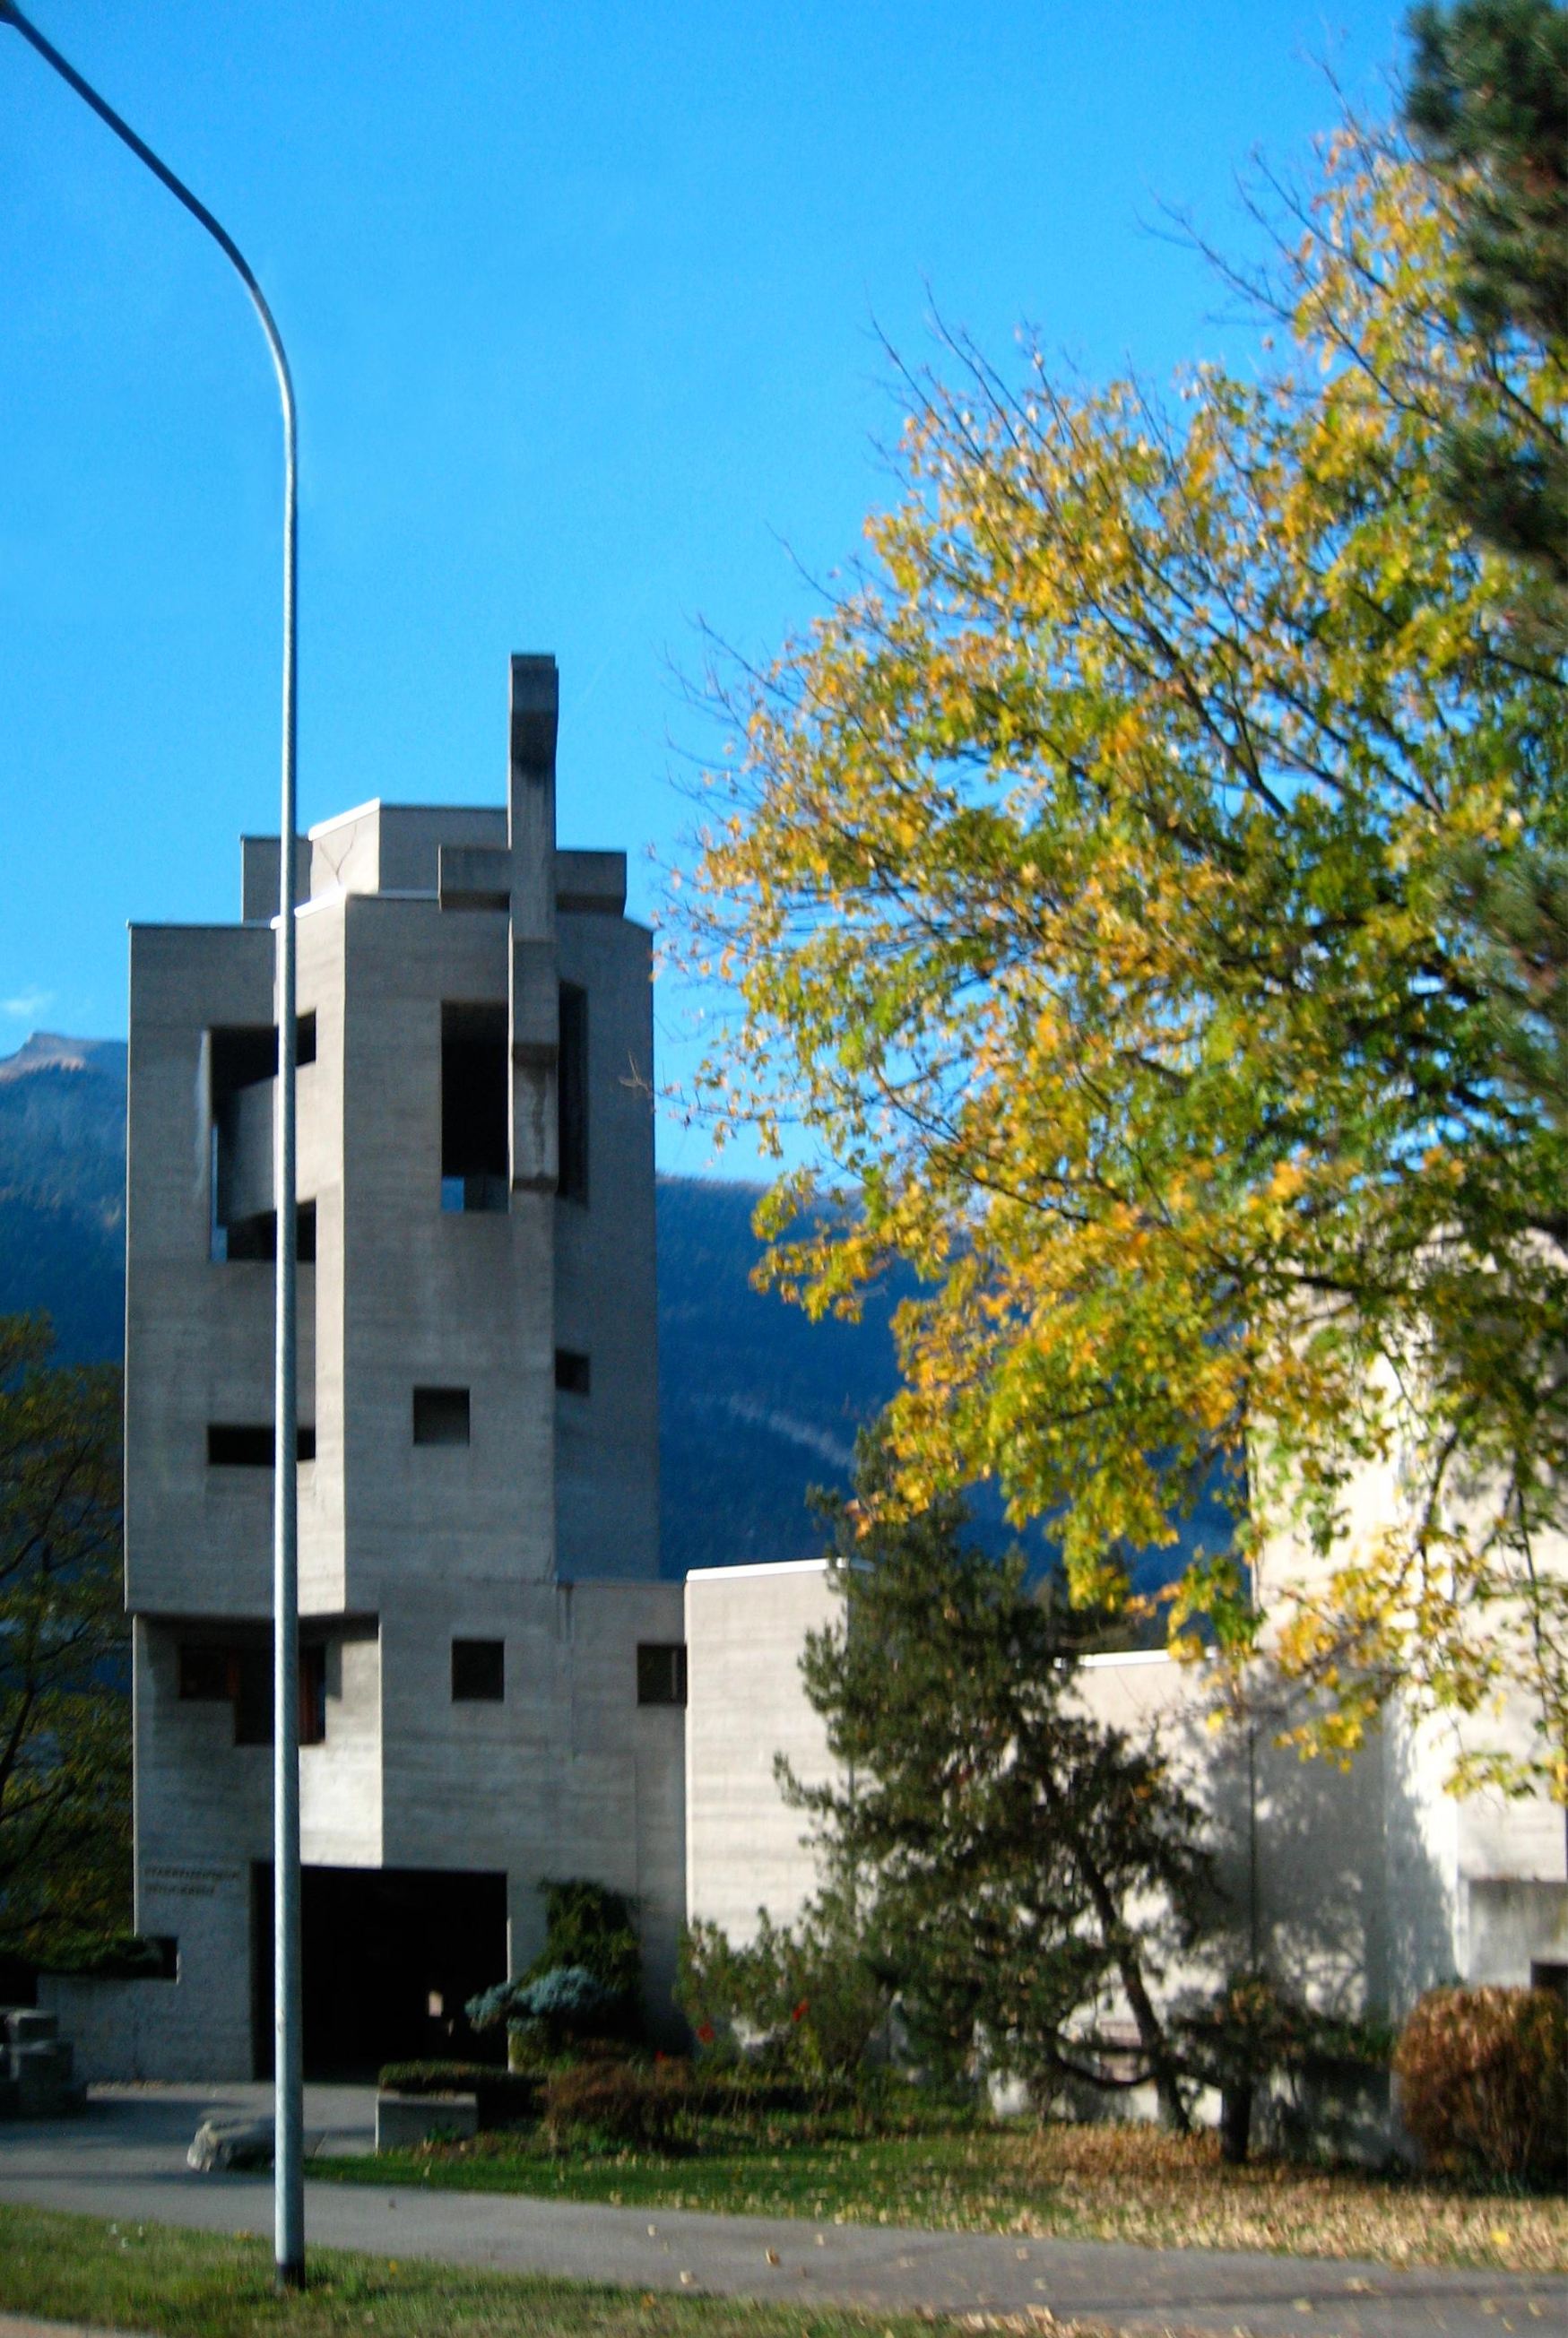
x=492 y=1670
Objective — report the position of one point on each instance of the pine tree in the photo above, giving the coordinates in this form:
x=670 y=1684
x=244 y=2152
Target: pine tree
x=1021 y=1866
x=1487 y=107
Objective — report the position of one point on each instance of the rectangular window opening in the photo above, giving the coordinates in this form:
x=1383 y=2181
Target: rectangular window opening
x=478 y=1672
x=313 y=1693
x=661 y=1672
x=257 y=1237
x=213 y=1672
x=572 y=1094
x=248 y=1445
x=441 y=1415
x=572 y=1372
x=475 y=1107
x=242 y=1058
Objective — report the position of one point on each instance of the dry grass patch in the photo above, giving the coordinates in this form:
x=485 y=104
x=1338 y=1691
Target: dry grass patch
x=1134 y=2184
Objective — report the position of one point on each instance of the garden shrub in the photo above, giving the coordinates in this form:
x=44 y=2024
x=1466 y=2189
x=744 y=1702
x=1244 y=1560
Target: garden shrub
x=586 y=1981
x=808 y=2000
x=590 y=1926
x=618 y=2103
x=501 y=2097
x=105 y=1956
x=1483 y=2081
x=560 y=2006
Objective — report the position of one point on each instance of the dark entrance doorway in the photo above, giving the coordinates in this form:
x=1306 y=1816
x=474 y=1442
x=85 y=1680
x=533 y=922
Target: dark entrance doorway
x=390 y=1955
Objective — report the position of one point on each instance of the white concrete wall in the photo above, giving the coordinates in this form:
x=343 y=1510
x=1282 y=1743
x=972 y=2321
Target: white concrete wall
x=746 y=1627
x=1360 y=1886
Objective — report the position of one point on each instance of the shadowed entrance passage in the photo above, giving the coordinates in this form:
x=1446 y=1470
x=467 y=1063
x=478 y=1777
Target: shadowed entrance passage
x=390 y=1956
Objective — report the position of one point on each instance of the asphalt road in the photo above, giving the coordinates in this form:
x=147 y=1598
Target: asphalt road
x=125 y=2158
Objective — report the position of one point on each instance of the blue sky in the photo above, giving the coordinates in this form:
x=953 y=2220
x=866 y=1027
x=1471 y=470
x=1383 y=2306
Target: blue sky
x=582 y=304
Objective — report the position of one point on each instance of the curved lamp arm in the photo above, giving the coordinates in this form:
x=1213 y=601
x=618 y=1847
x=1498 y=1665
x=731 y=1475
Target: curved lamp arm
x=289 y=2160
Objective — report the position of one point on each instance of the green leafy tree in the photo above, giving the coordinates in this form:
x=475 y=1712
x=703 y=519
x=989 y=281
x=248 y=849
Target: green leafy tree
x=1012 y=1866
x=65 y=1707
x=1085 y=876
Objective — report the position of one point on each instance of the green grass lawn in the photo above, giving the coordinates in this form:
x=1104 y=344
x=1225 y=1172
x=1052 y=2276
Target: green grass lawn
x=1082 y=2182
x=153 y=2277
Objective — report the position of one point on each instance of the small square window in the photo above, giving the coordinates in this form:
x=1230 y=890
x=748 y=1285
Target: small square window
x=478 y=1672
x=572 y=1372
x=440 y=1416
x=662 y=1672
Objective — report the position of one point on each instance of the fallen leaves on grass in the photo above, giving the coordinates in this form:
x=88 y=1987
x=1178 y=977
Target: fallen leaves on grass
x=1109 y=2183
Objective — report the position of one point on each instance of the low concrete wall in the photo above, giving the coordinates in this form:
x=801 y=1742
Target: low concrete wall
x=127 y=2029
x=405 y=2120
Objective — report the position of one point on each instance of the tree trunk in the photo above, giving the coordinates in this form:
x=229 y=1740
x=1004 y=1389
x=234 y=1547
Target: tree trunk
x=1150 y=2029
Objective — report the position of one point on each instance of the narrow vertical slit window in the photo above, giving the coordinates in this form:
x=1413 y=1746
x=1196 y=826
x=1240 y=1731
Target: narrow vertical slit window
x=475 y=1107
x=572 y=1094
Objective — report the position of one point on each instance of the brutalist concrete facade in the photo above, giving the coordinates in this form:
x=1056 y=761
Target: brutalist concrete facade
x=492 y=1668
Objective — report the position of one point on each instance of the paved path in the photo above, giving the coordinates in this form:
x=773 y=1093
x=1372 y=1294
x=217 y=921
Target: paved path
x=124 y=2158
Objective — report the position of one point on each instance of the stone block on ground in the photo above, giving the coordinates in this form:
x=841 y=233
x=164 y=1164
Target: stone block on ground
x=230 y=2143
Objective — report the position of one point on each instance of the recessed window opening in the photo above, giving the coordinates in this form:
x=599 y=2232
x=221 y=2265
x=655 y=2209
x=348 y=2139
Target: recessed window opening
x=221 y=1673
x=661 y=1672
x=478 y=1672
x=247 y=1444
x=572 y=1094
x=572 y=1372
x=241 y=1063
x=441 y=1415
x=257 y=1237
x=475 y=1107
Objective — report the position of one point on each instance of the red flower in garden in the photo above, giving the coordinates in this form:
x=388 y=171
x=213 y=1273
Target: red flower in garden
x=705 y=2033
x=802 y=2010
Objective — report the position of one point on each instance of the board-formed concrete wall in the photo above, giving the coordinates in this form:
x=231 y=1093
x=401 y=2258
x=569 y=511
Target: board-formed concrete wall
x=537 y=1527
x=746 y=1849
x=1360 y=1886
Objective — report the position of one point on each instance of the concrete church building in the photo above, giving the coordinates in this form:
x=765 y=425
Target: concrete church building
x=492 y=1669
x=494 y=1676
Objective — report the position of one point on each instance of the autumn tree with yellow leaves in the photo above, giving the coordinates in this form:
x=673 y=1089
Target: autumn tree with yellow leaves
x=1084 y=877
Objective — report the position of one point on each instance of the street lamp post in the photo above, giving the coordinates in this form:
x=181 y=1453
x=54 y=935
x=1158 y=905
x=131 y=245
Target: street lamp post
x=288 y=2059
